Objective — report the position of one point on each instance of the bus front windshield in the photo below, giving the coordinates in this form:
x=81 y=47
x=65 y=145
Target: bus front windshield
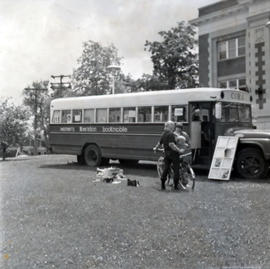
x=232 y=112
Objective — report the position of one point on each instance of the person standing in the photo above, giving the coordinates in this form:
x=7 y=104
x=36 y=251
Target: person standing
x=4 y=146
x=171 y=155
x=180 y=132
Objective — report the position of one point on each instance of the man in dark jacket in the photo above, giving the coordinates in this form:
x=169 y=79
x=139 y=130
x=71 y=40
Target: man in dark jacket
x=171 y=155
x=4 y=146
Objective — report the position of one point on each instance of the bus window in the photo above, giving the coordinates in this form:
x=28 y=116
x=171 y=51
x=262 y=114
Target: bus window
x=235 y=113
x=114 y=115
x=56 y=116
x=89 y=116
x=179 y=113
x=244 y=113
x=229 y=113
x=144 y=114
x=101 y=115
x=66 y=116
x=161 y=113
x=77 y=116
x=129 y=114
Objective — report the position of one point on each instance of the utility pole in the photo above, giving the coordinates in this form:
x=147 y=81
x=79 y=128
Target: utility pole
x=35 y=90
x=60 y=85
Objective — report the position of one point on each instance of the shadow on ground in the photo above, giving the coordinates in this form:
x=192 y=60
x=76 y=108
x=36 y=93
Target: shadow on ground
x=140 y=169
x=149 y=170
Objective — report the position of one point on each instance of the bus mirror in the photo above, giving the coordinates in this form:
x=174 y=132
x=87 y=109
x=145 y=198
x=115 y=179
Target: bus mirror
x=218 y=110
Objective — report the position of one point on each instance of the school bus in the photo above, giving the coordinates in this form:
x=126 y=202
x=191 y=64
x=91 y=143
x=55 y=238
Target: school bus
x=127 y=126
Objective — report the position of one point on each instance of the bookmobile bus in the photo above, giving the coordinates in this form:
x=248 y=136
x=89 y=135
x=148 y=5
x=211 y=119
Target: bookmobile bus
x=128 y=126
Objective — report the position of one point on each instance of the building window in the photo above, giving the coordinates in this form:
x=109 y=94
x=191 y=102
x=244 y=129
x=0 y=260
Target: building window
x=114 y=115
x=241 y=46
x=233 y=84
x=223 y=84
x=89 y=116
x=232 y=48
x=129 y=114
x=242 y=85
x=222 y=54
x=239 y=83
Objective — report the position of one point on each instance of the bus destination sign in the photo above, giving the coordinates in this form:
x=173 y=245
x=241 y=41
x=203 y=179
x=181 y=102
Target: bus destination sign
x=236 y=96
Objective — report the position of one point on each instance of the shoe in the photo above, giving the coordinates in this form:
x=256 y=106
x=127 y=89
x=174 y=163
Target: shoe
x=163 y=188
x=186 y=184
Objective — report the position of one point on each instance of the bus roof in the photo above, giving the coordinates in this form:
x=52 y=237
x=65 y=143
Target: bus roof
x=165 y=97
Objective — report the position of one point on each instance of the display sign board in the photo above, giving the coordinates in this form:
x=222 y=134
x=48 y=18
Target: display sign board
x=223 y=158
x=179 y=111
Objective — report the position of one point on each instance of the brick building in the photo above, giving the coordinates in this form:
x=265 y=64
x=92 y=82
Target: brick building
x=234 y=50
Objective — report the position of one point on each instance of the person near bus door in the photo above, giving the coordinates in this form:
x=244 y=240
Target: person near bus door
x=180 y=132
x=171 y=155
x=183 y=142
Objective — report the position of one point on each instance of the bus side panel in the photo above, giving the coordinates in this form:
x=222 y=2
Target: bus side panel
x=136 y=143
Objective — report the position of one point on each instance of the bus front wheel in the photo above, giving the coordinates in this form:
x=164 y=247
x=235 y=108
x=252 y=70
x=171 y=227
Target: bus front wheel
x=92 y=155
x=80 y=159
x=251 y=164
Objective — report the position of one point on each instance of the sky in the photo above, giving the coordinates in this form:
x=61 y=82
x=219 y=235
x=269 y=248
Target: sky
x=40 y=38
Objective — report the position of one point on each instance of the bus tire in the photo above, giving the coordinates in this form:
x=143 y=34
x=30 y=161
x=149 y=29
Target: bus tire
x=80 y=159
x=92 y=155
x=250 y=164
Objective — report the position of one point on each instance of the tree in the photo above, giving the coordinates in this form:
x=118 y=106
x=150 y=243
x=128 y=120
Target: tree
x=174 y=58
x=37 y=98
x=92 y=77
x=13 y=122
x=150 y=83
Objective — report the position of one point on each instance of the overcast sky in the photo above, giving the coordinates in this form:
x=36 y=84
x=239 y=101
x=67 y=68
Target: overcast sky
x=39 y=38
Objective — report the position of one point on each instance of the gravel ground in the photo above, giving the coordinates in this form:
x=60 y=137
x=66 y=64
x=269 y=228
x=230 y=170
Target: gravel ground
x=54 y=216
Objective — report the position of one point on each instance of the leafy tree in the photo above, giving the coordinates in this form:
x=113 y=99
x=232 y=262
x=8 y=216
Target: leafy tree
x=174 y=58
x=37 y=98
x=92 y=77
x=13 y=122
x=150 y=83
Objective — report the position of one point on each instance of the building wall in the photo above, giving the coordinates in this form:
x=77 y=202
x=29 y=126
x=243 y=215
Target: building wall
x=232 y=19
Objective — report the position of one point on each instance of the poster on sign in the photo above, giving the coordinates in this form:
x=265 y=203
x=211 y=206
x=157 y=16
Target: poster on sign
x=223 y=158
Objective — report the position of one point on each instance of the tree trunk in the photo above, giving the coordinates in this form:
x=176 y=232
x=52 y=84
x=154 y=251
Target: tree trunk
x=171 y=81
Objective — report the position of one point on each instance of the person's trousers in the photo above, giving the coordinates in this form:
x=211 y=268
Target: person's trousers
x=168 y=160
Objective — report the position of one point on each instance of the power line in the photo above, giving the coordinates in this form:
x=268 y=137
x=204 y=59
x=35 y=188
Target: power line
x=60 y=85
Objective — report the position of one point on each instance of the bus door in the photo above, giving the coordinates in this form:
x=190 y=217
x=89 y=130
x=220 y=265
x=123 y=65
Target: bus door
x=202 y=130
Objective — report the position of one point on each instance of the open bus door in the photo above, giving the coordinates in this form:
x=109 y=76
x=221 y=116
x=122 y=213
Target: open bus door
x=202 y=131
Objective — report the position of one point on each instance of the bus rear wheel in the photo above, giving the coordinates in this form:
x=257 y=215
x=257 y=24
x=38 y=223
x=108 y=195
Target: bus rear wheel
x=92 y=155
x=251 y=164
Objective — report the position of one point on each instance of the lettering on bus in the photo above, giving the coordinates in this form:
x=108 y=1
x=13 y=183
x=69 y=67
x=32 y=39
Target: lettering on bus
x=237 y=96
x=88 y=129
x=111 y=129
x=67 y=129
